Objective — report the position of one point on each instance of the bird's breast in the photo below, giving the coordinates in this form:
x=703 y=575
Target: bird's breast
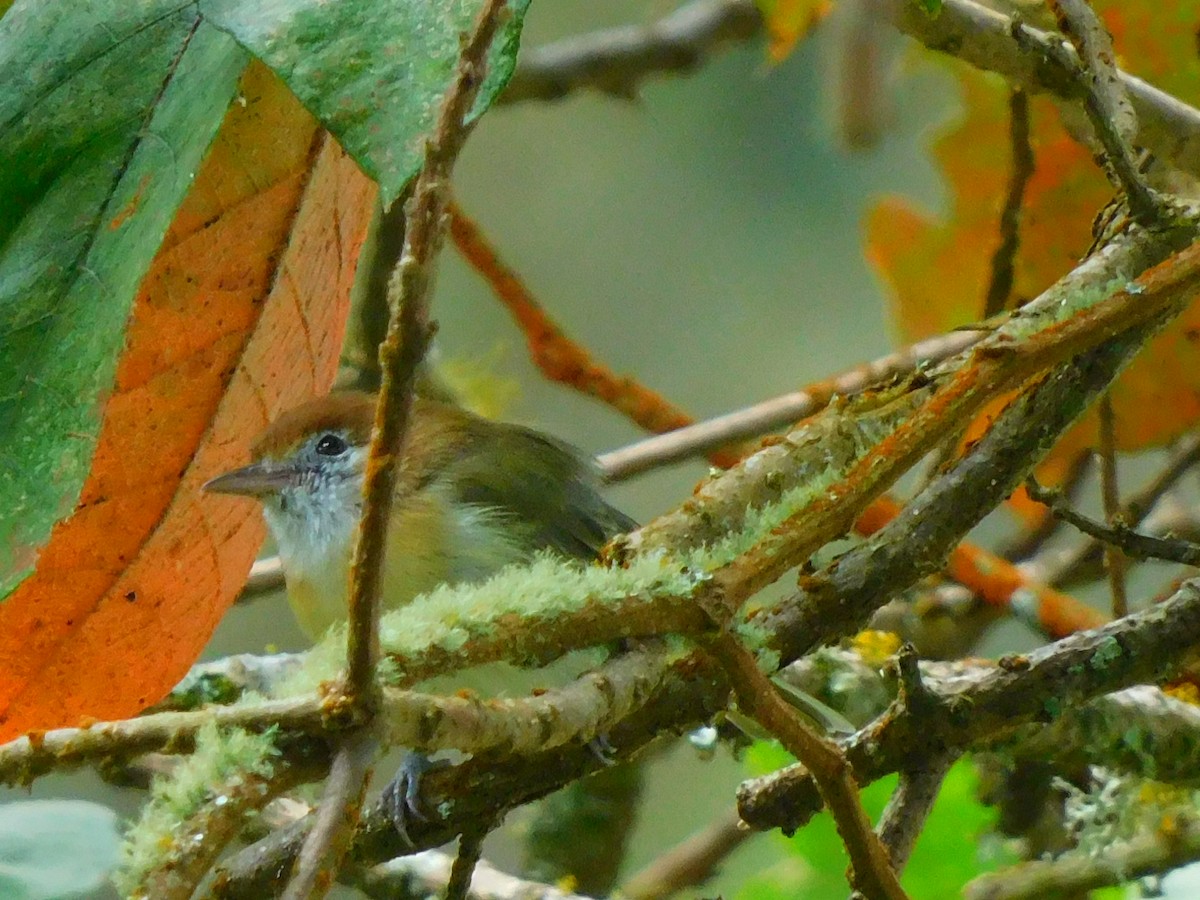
x=431 y=541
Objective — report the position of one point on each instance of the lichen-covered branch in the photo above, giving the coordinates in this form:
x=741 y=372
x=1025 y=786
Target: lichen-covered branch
x=1175 y=843
x=978 y=706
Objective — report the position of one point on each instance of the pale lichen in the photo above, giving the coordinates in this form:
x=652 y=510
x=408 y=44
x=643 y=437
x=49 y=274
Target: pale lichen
x=223 y=758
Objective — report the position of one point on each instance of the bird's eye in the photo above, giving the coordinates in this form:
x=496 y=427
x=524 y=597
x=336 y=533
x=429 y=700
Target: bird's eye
x=331 y=445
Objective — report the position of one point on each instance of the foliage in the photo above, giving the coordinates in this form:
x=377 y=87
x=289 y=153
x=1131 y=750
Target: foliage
x=951 y=851
x=186 y=189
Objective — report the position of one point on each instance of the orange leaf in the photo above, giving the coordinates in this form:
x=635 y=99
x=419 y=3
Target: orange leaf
x=240 y=316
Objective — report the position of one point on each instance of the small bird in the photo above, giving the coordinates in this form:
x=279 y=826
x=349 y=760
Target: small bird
x=472 y=496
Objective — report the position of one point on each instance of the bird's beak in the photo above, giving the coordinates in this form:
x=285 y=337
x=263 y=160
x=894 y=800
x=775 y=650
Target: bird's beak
x=259 y=479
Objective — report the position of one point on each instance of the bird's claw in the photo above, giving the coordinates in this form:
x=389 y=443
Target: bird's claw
x=603 y=750
x=402 y=797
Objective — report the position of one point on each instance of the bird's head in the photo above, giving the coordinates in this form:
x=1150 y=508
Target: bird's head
x=307 y=469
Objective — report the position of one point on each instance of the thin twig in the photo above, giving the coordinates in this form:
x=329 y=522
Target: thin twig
x=1004 y=259
x=1031 y=541
x=690 y=863
x=335 y=819
x=1114 y=559
x=616 y=60
x=778 y=412
x=909 y=807
x=1072 y=566
x=470 y=849
x=1130 y=542
x=1107 y=104
x=995 y=580
x=400 y=355
x=871 y=871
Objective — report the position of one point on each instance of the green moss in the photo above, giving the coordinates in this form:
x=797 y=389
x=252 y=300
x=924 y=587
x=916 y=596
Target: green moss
x=547 y=589
x=222 y=757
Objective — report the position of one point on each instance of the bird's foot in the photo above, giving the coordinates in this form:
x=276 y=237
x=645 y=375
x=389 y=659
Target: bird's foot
x=603 y=750
x=402 y=797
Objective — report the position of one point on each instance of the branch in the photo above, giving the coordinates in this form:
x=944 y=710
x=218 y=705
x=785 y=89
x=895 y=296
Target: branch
x=1106 y=103
x=1003 y=259
x=199 y=840
x=904 y=817
x=335 y=819
x=578 y=711
x=1130 y=542
x=985 y=705
x=400 y=355
x=917 y=542
x=984 y=38
x=690 y=863
x=778 y=412
x=871 y=871
x=616 y=60
x=560 y=358
x=693 y=692
x=1175 y=843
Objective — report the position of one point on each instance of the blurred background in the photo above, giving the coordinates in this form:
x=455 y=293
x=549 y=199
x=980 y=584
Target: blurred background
x=704 y=238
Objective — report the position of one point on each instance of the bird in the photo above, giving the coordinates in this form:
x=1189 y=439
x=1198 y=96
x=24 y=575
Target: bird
x=472 y=496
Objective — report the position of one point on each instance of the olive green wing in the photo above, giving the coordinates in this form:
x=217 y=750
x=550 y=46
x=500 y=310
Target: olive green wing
x=545 y=486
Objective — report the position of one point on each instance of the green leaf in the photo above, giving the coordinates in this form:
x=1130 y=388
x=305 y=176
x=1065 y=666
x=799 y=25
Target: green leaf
x=373 y=73
x=932 y=8
x=948 y=854
x=106 y=112
x=55 y=849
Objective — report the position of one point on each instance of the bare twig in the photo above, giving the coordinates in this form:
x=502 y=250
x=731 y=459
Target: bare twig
x=470 y=849
x=1004 y=259
x=336 y=817
x=558 y=356
x=871 y=871
x=1114 y=559
x=909 y=807
x=616 y=60
x=400 y=355
x=690 y=863
x=1138 y=546
x=778 y=412
x=1058 y=567
x=1106 y=103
